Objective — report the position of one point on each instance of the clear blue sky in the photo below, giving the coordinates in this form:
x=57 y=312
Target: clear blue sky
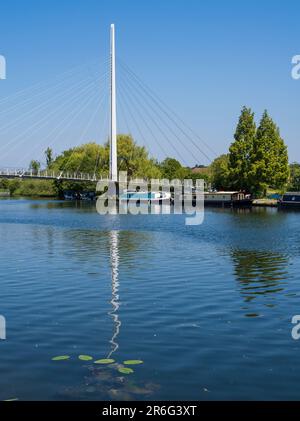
x=205 y=59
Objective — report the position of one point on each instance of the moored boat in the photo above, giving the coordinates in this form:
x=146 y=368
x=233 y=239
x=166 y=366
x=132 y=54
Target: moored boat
x=290 y=200
x=145 y=197
x=73 y=195
x=227 y=199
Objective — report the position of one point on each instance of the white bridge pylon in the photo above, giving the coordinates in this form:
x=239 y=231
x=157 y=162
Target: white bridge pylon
x=113 y=165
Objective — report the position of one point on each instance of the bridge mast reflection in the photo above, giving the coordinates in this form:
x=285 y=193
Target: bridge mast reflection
x=114 y=262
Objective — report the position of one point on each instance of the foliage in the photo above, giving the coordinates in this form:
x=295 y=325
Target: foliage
x=269 y=159
x=240 y=151
x=93 y=159
x=35 y=166
x=171 y=169
x=134 y=159
x=43 y=188
x=49 y=157
x=203 y=175
x=257 y=159
x=4 y=184
x=85 y=358
x=125 y=370
x=61 y=358
x=220 y=172
x=294 y=183
x=105 y=361
x=90 y=158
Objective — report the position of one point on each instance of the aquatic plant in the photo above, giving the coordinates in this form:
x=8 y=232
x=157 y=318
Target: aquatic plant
x=61 y=358
x=133 y=362
x=105 y=361
x=85 y=358
x=125 y=370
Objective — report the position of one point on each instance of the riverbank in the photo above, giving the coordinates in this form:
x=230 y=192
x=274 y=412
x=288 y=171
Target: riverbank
x=4 y=193
x=29 y=188
x=270 y=203
x=48 y=189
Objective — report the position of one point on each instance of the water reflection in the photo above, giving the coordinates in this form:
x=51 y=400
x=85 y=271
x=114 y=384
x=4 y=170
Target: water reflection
x=260 y=274
x=114 y=261
x=106 y=382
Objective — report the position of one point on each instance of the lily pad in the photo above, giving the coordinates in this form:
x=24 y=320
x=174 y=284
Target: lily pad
x=104 y=361
x=85 y=358
x=125 y=370
x=61 y=358
x=133 y=362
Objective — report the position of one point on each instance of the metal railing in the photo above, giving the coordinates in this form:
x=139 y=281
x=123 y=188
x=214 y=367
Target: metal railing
x=47 y=175
x=69 y=176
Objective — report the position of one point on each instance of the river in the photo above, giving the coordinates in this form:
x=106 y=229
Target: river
x=207 y=308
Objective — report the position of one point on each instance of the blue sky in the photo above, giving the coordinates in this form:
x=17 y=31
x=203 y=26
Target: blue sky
x=205 y=59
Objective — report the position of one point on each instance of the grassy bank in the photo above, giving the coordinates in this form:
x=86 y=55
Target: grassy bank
x=40 y=188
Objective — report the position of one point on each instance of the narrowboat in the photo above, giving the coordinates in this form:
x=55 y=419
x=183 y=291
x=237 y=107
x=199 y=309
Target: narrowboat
x=222 y=199
x=227 y=199
x=290 y=200
x=77 y=196
x=145 y=197
x=88 y=196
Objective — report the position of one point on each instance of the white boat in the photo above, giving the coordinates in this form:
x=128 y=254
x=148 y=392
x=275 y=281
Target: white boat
x=145 y=197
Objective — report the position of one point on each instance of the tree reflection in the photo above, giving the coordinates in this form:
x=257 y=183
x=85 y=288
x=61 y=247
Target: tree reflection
x=260 y=273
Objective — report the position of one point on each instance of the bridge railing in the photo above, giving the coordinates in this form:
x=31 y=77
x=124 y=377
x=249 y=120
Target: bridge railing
x=46 y=174
x=61 y=175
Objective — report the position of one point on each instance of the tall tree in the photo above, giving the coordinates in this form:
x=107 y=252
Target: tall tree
x=34 y=166
x=49 y=156
x=270 y=166
x=240 y=151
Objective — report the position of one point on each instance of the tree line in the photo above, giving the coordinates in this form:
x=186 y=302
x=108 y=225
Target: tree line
x=257 y=160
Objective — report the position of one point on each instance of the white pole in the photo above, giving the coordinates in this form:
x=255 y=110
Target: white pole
x=113 y=173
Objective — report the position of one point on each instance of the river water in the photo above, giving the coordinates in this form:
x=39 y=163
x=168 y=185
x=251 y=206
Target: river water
x=207 y=308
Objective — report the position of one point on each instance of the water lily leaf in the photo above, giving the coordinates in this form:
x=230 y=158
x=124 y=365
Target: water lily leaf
x=85 y=357
x=125 y=370
x=133 y=362
x=61 y=358
x=104 y=361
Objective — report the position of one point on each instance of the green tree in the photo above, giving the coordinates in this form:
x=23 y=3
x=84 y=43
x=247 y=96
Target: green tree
x=35 y=166
x=13 y=186
x=4 y=184
x=240 y=151
x=49 y=157
x=171 y=169
x=92 y=158
x=220 y=172
x=294 y=184
x=269 y=160
x=205 y=175
x=134 y=159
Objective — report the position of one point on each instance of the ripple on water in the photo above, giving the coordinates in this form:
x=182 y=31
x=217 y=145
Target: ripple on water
x=199 y=305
